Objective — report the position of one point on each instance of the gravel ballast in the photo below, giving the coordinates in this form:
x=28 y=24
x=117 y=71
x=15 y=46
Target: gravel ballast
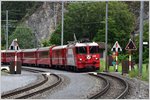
x=76 y=86
x=137 y=89
x=80 y=86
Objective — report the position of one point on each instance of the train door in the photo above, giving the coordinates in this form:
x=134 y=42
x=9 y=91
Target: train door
x=70 y=57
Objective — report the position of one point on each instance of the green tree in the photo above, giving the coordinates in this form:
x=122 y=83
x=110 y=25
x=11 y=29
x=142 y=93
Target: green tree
x=88 y=19
x=3 y=41
x=17 y=11
x=120 y=25
x=145 y=48
x=25 y=37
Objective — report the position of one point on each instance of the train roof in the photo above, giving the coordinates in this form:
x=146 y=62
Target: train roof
x=3 y=50
x=59 y=47
x=29 y=50
x=86 y=44
x=44 y=48
x=10 y=51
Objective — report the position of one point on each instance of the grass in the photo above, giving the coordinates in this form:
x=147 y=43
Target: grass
x=133 y=73
x=145 y=72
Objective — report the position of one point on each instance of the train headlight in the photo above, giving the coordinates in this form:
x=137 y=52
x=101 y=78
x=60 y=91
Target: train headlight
x=80 y=59
x=96 y=58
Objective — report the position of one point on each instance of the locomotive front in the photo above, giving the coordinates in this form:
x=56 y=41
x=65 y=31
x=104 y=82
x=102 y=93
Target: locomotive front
x=87 y=56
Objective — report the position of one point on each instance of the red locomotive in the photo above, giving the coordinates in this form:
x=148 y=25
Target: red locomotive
x=75 y=56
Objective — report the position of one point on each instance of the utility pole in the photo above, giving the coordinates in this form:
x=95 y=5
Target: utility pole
x=106 y=33
x=141 y=38
x=62 y=23
x=6 y=29
x=55 y=14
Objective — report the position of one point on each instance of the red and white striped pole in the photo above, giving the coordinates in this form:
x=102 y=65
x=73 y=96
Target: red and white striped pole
x=130 y=60
x=116 y=61
x=117 y=56
x=15 y=44
x=116 y=48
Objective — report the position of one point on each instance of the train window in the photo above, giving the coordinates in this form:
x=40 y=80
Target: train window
x=44 y=54
x=29 y=55
x=94 y=49
x=10 y=55
x=81 y=50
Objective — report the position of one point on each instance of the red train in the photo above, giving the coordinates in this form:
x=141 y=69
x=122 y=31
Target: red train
x=74 y=56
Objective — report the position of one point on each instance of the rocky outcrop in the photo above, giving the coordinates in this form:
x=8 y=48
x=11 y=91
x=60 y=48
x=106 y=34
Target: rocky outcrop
x=134 y=7
x=44 y=20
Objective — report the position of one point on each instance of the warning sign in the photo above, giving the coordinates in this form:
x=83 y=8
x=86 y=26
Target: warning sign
x=116 y=47
x=130 y=45
x=13 y=45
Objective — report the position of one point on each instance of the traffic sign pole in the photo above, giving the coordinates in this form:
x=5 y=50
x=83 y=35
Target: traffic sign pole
x=116 y=48
x=130 y=60
x=15 y=55
x=130 y=47
x=117 y=61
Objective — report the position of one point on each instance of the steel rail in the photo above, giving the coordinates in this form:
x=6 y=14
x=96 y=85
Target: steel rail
x=25 y=89
x=107 y=86
x=33 y=70
x=125 y=91
x=7 y=95
x=42 y=90
x=104 y=90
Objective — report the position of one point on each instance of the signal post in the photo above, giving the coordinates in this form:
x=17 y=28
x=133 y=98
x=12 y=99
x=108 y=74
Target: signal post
x=116 y=48
x=130 y=47
x=15 y=66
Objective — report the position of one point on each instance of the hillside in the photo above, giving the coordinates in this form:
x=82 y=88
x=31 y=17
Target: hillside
x=44 y=17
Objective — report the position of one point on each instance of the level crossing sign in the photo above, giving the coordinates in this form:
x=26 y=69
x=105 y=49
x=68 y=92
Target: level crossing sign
x=116 y=47
x=14 y=45
x=130 y=45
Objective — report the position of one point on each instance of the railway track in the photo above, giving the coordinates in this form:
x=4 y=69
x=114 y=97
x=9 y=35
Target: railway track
x=34 y=89
x=115 y=87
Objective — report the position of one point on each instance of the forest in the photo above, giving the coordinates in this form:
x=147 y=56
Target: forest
x=86 y=19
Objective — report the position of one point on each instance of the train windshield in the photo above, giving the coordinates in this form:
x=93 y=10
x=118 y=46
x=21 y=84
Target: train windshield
x=81 y=50
x=94 y=49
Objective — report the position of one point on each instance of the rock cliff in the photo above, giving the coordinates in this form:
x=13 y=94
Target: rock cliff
x=44 y=20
